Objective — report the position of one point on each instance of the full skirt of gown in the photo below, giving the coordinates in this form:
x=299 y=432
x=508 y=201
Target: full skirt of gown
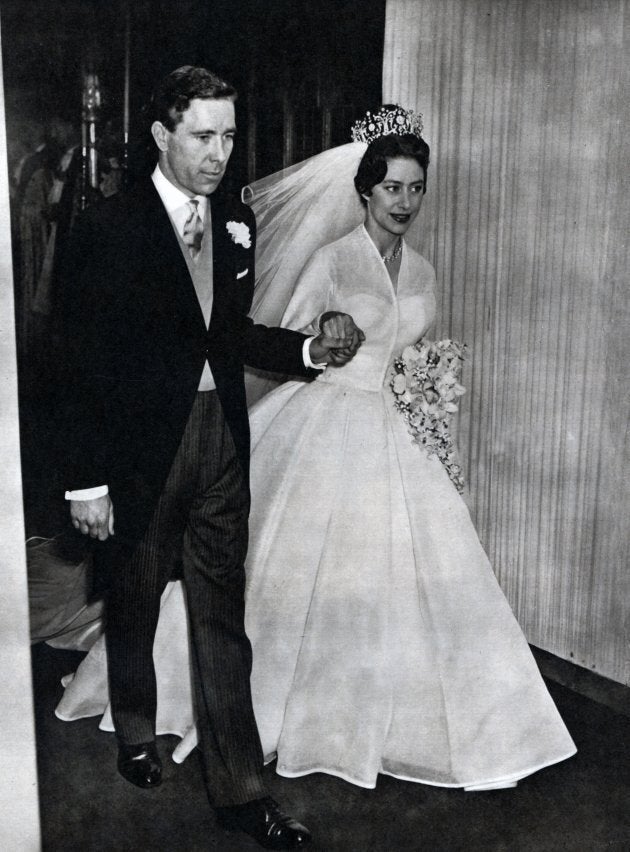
x=382 y=641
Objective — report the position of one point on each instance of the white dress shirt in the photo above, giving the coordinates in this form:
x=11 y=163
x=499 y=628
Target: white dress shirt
x=176 y=201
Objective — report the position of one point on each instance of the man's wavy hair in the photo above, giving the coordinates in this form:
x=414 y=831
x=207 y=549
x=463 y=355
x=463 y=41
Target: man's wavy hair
x=173 y=94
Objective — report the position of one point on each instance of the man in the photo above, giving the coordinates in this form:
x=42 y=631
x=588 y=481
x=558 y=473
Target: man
x=162 y=284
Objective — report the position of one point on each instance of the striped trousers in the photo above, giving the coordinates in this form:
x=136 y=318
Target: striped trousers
x=200 y=522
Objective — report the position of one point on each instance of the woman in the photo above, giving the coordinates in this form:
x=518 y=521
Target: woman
x=382 y=642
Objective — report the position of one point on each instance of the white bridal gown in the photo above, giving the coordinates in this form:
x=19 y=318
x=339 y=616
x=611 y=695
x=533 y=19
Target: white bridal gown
x=382 y=642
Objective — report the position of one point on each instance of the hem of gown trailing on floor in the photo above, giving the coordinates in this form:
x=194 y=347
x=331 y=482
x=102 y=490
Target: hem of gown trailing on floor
x=286 y=774
x=188 y=743
x=501 y=783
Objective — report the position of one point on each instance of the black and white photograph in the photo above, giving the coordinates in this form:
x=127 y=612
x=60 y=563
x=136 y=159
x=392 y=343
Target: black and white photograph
x=314 y=425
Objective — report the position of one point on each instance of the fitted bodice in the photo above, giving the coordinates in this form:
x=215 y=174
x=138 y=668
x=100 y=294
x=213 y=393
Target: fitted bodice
x=350 y=276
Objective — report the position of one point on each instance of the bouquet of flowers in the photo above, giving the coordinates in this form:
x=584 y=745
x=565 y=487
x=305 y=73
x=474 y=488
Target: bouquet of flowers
x=425 y=383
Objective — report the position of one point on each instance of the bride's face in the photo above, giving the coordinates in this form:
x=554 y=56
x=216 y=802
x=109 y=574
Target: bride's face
x=395 y=202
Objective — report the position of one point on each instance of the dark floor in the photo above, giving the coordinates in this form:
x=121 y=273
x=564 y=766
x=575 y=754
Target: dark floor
x=582 y=805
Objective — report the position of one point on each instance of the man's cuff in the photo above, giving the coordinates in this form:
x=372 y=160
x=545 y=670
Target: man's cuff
x=306 y=355
x=87 y=493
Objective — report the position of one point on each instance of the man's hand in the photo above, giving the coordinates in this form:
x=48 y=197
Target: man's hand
x=339 y=341
x=93 y=517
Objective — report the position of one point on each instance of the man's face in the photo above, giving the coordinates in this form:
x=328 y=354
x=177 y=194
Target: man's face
x=194 y=155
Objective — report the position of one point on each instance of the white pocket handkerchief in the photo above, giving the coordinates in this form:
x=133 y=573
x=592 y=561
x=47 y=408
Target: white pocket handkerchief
x=241 y=274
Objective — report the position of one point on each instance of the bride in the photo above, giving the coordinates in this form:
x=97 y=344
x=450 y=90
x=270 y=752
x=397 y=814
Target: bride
x=382 y=642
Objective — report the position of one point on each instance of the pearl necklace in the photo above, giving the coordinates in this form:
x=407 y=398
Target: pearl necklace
x=389 y=258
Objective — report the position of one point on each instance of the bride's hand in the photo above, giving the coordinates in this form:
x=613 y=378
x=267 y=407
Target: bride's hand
x=342 y=328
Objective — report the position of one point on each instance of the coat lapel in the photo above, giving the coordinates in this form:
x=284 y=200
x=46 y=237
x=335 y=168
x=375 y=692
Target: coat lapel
x=164 y=254
x=223 y=256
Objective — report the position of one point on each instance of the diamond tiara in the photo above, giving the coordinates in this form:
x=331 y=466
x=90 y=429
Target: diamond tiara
x=386 y=122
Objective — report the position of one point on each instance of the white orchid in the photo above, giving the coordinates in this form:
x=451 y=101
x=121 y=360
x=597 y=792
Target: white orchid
x=399 y=384
x=410 y=354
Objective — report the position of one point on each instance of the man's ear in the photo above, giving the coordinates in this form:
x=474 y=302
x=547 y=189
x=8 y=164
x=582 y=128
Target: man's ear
x=159 y=133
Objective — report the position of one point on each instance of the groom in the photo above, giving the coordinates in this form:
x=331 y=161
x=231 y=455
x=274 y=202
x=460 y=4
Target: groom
x=161 y=283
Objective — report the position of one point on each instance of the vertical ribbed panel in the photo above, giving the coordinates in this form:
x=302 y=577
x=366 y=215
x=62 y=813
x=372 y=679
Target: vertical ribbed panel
x=526 y=220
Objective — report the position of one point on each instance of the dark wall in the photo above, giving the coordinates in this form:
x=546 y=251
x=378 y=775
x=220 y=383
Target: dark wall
x=304 y=68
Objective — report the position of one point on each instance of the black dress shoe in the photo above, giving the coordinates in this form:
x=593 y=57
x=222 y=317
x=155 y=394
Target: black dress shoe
x=266 y=823
x=140 y=764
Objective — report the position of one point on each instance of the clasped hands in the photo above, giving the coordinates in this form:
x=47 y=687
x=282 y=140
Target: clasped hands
x=339 y=341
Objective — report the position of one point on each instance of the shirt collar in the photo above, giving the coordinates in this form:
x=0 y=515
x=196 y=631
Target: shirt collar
x=173 y=198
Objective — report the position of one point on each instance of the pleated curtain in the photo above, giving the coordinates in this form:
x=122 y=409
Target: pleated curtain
x=527 y=217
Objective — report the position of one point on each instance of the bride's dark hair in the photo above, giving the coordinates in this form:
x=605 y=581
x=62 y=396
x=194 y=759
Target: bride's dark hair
x=373 y=166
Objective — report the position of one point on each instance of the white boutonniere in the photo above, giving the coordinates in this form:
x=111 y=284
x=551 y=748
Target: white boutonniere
x=240 y=234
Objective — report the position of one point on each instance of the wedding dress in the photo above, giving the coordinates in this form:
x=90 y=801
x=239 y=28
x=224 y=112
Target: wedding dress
x=382 y=642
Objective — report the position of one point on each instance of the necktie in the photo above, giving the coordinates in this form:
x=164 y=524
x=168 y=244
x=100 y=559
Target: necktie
x=193 y=229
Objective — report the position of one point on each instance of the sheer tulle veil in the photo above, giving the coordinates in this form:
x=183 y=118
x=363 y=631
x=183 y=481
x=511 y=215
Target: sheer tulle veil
x=298 y=210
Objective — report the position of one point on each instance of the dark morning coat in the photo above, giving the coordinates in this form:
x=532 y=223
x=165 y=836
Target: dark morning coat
x=137 y=344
